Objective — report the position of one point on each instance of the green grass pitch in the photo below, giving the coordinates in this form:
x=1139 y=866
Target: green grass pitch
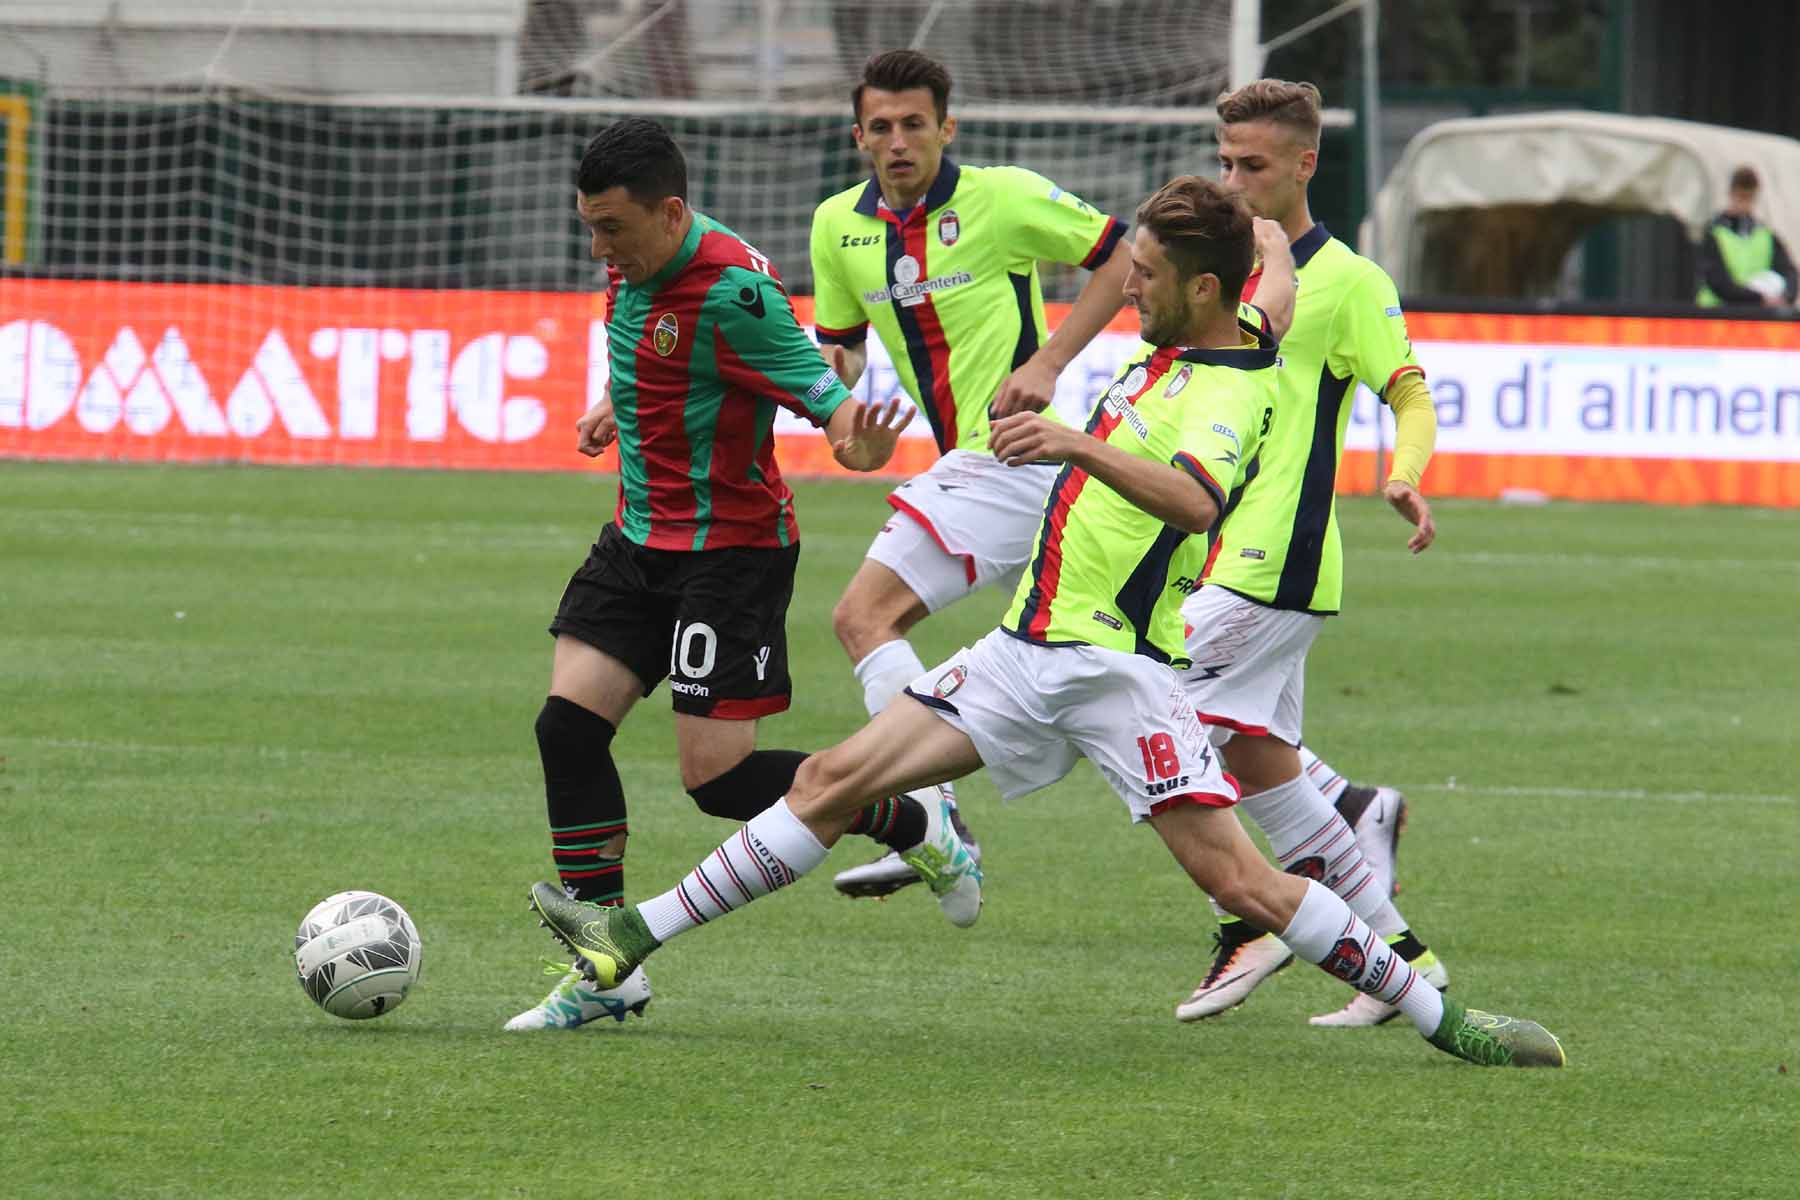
x=227 y=692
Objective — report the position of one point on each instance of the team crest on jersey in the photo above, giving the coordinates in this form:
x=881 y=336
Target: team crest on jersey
x=666 y=334
x=949 y=681
x=1180 y=381
x=949 y=227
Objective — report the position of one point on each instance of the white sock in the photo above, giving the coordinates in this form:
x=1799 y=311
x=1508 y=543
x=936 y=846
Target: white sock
x=1303 y=827
x=1386 y=919
x=771 y=850
x=1331 y=785
x=885 y=671
x=1324 y=931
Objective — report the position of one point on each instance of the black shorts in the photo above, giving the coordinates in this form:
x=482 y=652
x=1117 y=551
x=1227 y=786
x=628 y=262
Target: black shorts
x=714 y=622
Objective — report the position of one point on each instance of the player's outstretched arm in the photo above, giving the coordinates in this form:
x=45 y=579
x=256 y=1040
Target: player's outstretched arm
x=863 y=436
x=1171 y=495
x=1033 y=385
x=1277 y=287
x=597 y=428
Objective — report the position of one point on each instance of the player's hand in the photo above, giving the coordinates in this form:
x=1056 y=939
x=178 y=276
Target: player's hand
x=840 y=365
x=1028 y=389
x=1272 y=248
x=1031 y=437
x=1406 y=500
x=874 y=432
x=596 y=429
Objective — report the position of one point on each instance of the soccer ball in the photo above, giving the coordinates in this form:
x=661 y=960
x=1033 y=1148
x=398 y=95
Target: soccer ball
x=357 y=954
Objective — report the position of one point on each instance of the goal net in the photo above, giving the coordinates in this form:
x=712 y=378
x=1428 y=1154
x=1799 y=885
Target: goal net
x=346 y=240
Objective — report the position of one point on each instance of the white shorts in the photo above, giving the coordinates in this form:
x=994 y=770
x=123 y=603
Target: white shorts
x=966 y=523
x=1249 y=664
x=1033 y=711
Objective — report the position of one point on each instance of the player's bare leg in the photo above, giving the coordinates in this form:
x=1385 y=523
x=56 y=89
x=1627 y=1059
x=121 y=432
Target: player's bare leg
x=877 y=610
x=1309 y=838
x=905 y=747
x=1218 y=855
x=872 y=618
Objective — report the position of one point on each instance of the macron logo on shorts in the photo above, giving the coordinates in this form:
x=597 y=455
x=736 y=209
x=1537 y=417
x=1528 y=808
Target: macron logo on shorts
x=762 y=663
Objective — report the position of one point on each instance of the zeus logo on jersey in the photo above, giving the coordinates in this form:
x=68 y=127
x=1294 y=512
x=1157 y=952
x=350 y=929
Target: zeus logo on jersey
x=873 y=239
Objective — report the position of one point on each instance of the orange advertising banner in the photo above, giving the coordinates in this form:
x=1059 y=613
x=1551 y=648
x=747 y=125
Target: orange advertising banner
x=192 y=373
x=1662 y=410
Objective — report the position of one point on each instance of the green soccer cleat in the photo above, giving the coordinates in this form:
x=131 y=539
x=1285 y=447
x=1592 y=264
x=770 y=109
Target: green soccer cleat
x=943 y=861
x=608 y=942
x=1491 y=1040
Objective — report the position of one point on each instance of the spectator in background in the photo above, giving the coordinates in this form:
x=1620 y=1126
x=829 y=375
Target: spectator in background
x=1741 y=259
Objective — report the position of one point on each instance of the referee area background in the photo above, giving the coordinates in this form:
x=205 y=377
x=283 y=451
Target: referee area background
x=296 y=319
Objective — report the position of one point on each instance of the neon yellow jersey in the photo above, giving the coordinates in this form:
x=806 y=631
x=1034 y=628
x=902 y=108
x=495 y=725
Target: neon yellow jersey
x=1279 y=545
x=951 y=286
x=1100 y=572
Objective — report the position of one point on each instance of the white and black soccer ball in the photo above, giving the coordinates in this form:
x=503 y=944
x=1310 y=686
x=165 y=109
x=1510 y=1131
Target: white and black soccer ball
x=357 y=955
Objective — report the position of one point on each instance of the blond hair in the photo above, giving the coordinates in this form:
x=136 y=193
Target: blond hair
x=1294 y=105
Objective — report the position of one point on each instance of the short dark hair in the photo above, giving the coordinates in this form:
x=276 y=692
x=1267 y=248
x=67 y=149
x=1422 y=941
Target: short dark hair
x=638 y=155
x=1297 y=106
x=1744 y=180
x=901 y=71
x=1203 y=228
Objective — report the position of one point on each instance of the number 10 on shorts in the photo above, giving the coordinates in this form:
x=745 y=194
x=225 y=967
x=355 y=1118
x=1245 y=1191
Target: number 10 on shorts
x=694 y=649
x=1160 y=759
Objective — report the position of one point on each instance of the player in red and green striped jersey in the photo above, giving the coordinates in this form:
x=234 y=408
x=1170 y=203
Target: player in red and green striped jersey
x=692 y=577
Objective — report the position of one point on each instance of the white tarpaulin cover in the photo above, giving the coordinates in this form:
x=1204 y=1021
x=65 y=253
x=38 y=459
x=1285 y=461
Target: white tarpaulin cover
x=1575 y=161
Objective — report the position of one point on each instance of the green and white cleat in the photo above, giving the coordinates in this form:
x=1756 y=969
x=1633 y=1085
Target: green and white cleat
x=1491 y=1040
x=943 y=861
x=608 y=942
x=573 y=1002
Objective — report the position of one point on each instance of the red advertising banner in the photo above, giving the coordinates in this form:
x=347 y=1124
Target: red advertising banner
x=1678 y=411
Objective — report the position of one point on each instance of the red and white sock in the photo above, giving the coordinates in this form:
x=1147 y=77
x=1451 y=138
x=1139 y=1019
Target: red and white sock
x=1310 y=839
x=1331 y=785
x=1324 y=931
x=769 y=851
